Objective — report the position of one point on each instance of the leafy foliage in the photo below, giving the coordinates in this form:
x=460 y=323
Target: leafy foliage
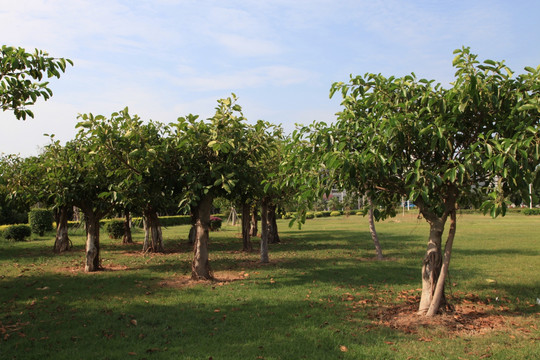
x=21 y=75
x=40 y=220
x=16 y=232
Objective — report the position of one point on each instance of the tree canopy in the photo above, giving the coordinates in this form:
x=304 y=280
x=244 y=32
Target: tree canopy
x=21 y=75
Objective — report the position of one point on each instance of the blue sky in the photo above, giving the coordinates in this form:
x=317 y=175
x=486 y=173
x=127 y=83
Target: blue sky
x=166 y=58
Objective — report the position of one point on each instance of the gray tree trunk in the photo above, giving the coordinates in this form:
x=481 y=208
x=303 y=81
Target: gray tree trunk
x=153 y=235
x=273 y=236
x=200 y=267
x=127 y=238
x=265 y=230
x=62 y=242
x=193 y=230
x=431 y=267
x=92 y=242
x=246 y=239
x=253 y=230
x=438 y=295
x=373 y=231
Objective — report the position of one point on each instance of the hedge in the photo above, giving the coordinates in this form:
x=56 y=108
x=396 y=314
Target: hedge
x=40 y=221
x=115 y=228
x=529 y=212
x=16 y=232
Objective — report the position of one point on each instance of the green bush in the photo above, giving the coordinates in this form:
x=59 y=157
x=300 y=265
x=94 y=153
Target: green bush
x=115 y=228
x=531 y=211
x=16 y=232
x=310 y=215
x=40 y=221
x=215 y=223
x=326 y=213
x=335 y=213
x=318 y=214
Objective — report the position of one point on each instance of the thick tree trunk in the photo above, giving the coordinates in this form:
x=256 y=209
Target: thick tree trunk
x=153 y=235
x=62 y=242
x=200 y=267
x=92 y=242
x=127 y=239
x=253 y=230
x=438 y=295
x=431 y=267
x=373 y=231
x=265 y=229
x=273 y=236
x=246 y=239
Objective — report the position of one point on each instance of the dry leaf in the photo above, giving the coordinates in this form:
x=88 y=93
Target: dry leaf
x=134 y=322
x=343 y=348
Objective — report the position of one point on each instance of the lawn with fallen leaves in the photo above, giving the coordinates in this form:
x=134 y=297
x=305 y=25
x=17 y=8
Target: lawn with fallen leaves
x=322 y=296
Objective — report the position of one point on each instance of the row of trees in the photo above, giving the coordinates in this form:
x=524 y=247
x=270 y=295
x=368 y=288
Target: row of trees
x=122 y=164
x=472 y=144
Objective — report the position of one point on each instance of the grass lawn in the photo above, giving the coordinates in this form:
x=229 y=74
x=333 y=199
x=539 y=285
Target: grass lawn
x=323 y=296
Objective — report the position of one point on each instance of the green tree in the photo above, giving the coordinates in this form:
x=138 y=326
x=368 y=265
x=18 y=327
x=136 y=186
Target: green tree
x=404 y=137
x=21 y=75
x=134 y=155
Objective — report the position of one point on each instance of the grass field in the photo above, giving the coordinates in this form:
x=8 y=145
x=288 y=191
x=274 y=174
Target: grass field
x=323 y=296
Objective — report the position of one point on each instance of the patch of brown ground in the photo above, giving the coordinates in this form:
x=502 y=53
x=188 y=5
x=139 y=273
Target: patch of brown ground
x=220 y=278
x=466 y=318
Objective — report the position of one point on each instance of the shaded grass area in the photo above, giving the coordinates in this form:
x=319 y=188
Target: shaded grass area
x=315 y=300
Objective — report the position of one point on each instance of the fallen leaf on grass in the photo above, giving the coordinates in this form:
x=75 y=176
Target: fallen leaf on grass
x=133 y=322
x=132 y=353
x=343 y=348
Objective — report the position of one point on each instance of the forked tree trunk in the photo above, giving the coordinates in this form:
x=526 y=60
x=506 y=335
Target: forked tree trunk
x=153 y=238
x=246 y=239
x=92 y=242
x=431 y=267
x=265 y=229
x=200 y=267
x=273 y=235
x=438 y=296
x=253 y=230
x=62 y=242
x=373 y=231
x=127 y=239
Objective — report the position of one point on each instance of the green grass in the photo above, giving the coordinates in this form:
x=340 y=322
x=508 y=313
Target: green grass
x=300 y=306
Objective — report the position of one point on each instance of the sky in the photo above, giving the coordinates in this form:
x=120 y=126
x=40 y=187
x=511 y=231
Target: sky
x=168 y=58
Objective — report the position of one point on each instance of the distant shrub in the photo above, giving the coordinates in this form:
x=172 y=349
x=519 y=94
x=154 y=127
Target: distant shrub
x=531 y=212
x=40 y=221
x=318 y=214
x=326 y=213
x=115 y=228
x=310 y=215
x=335 y=213
x=16 y=232
x=215 y=223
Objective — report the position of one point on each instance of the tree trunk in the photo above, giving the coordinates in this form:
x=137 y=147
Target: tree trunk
x=153 y=235
x=253 y=231
x=62 y=242
x=438 y=295
x=200 y=267
x=127 y=239
x=273 y=235
x=92 y=242
x=193 y=231
x=373 y=231
x=265 y=227
x=246 y=239
x=431 y=267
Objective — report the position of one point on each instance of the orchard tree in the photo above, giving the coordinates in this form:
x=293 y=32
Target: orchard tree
x=471 y=144
x=208 y=157
x=135 y=159
x=21 y=75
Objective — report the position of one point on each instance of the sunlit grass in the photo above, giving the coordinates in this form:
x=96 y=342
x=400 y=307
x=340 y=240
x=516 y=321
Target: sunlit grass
x=296 y=307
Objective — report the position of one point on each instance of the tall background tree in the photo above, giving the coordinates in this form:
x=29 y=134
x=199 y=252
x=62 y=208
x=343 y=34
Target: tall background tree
x=21 y=75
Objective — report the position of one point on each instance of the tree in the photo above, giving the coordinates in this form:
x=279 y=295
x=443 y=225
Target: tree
x=134 y=155
x=209 y=158
x=21 y=74
x=470 y=144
